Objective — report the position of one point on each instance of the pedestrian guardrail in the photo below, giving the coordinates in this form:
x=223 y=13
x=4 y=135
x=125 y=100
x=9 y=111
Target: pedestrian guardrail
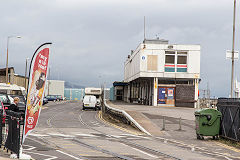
x=230 y=123
x=1 y=126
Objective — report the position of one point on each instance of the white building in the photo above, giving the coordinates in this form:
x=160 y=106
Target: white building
x=54 y=87
x=162 y=74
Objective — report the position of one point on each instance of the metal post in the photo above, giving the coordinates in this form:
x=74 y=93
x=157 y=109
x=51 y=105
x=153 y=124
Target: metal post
x=163 y=128
x=7 y=56
x=7 y=62
x=48 y=80
x=144 y=29
x=26 y=74
x=233 y=43
x=180 y=124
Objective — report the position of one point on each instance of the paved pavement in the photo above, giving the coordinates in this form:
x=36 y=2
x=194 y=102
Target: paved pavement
x=151 y=119
x=4 y=155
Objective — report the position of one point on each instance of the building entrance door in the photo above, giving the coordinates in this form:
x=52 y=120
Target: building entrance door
x=161 y=95
x=166 y=95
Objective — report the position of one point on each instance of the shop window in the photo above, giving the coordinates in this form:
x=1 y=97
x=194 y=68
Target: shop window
x=170 y=61
x=175 y=61
x=181 y=61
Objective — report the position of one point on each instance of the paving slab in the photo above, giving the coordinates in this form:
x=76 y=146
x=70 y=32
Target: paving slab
x=151 y=117
x=145 y=122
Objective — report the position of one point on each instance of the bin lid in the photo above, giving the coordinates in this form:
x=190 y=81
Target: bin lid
x=212 y=114
x=208 y=111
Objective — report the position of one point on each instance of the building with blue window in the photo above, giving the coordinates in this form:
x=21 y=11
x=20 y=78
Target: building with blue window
x=162 y=74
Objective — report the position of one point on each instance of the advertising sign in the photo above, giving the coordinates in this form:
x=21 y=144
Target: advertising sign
x=36 y=87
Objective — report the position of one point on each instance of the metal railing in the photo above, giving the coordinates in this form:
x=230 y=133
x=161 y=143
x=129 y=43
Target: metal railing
x=11 y=130
x=230 y=123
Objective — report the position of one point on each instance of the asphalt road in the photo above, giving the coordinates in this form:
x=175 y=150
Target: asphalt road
x=66 y=132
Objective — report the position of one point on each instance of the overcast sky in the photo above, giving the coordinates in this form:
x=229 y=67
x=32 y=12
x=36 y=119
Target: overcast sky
x=91 y=39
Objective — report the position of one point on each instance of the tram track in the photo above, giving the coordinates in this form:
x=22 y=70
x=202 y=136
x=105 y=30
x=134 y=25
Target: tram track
x=160 y=155
x=141 y=148
x=84 y=144
x=149 y=151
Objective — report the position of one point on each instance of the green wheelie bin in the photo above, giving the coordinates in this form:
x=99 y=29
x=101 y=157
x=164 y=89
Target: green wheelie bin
x=207 y=122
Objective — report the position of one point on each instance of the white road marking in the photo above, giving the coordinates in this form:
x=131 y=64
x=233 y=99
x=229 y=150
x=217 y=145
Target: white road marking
x=38 y=135
x=51 y=157
x=132 y=135
x=118 y=136
x=150 y=155
x=30 y=148
x=68 y=155
x=228 y=158
x=86 y=135
x=59 y=134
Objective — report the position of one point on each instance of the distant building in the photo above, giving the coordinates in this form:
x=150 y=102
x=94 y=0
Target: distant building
x=119 y=91
x=107 y=93
x=13 y=78
x=73 y=93
x=162 y=74
x=54 y=87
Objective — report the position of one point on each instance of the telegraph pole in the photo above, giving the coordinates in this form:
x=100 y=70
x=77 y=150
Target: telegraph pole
x=233 y=45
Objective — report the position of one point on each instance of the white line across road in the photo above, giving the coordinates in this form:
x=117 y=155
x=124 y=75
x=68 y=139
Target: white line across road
x=30 y=147
x=51 y=157
x=150 y=155
x=68 y=155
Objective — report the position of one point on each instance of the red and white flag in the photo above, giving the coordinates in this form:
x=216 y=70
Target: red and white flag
x=36 y=87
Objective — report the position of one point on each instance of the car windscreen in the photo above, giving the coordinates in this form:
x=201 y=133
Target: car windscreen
x=21 y=99
x=4 y=98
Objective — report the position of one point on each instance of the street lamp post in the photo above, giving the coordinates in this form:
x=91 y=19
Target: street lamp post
x=233 y=43
x=7 y=56
x=26 y=74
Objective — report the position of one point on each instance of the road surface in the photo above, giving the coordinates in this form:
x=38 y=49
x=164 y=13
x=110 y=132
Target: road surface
x=66 y=132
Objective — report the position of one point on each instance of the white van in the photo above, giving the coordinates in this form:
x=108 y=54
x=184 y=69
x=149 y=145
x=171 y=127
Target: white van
x=90 y=102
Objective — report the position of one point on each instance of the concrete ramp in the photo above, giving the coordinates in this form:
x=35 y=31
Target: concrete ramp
x=145 y=122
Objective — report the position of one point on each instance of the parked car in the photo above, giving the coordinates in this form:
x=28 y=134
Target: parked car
x=59 y=97
x=3 y=108
x=21 y=103
x=51 y=98
x=6 y=99
x=45 y=100
x=90 y=102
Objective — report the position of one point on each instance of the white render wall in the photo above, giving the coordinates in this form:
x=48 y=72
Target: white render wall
x=56 y=87
x=136 y=65
x=132 y=67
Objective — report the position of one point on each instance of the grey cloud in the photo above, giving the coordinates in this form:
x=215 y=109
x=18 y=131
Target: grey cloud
x=91 y=39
